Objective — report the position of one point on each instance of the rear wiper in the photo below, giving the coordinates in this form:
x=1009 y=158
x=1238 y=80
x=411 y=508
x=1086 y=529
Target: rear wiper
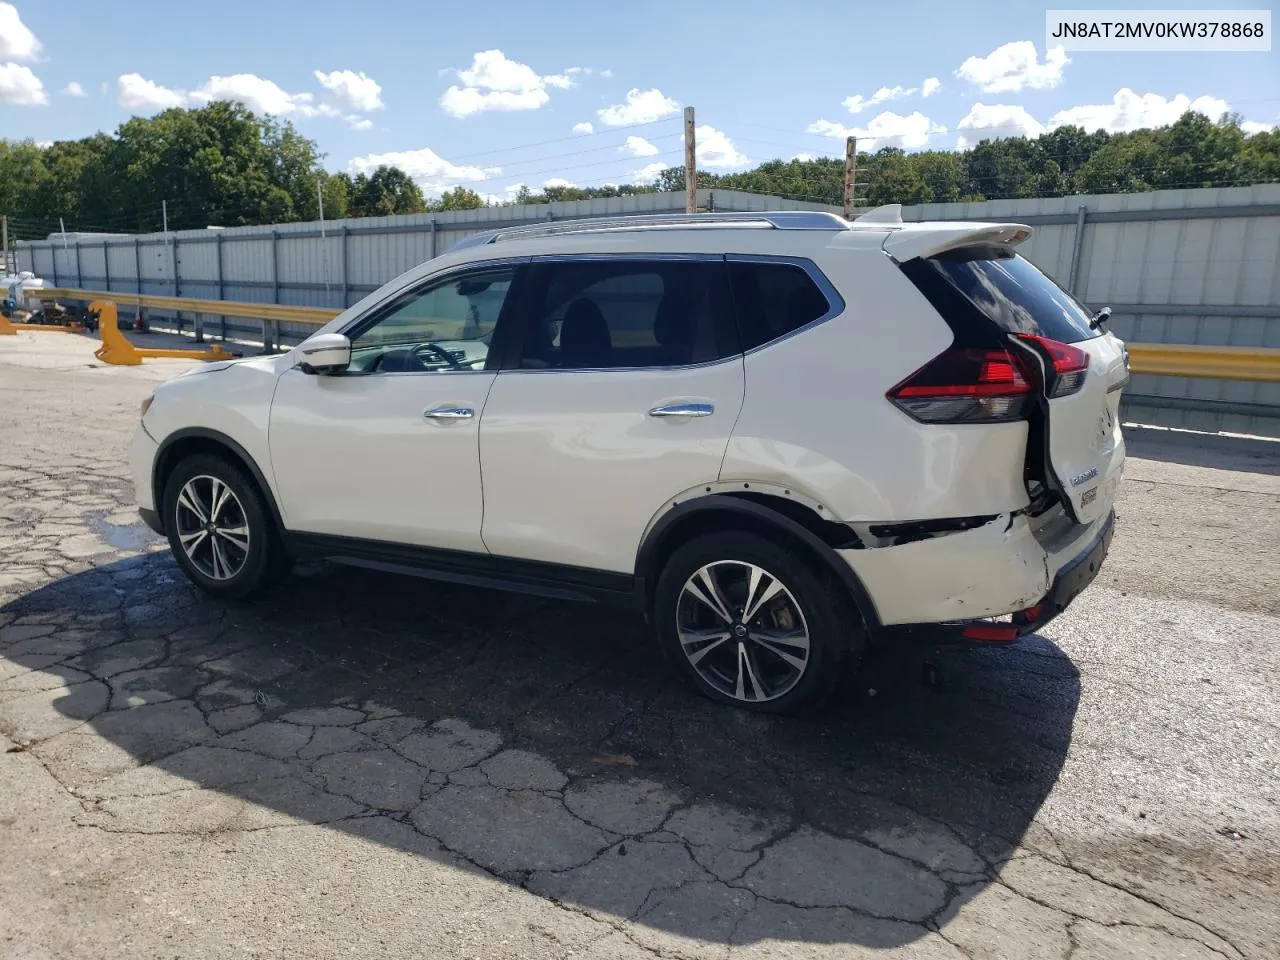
x=1099 y=318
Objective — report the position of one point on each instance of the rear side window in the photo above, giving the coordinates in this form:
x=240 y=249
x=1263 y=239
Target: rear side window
x=773 y=299
x=628 y=313
x=1013 y=293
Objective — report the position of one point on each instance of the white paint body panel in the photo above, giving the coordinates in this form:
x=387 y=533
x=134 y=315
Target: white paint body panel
x=816 y=417
x=142 y=458
x=233 y=399
x=575 y=468
x=356 y=457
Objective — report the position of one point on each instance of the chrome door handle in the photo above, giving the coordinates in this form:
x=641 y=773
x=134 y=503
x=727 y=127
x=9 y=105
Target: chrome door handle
x=449 y=413
x=683 y=410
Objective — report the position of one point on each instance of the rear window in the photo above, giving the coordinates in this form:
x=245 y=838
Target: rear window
x=1010 y=291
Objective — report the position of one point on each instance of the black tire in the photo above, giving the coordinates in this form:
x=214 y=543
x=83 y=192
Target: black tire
x=265 y=561
x=836 y=634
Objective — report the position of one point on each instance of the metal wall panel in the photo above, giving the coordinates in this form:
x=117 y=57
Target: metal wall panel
x=1211 y=256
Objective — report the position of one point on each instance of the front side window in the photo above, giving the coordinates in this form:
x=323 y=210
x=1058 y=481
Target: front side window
x=627 y=313
x=446 y=326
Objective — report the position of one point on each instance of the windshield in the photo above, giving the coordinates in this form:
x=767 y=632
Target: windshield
x=1010 y=291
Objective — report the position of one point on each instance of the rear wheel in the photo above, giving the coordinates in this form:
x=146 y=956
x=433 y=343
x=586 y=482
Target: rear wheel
x=219 y=529
x=753 y=623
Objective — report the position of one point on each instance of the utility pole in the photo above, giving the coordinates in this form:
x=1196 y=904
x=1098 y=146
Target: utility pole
x=850 y=173
x=164 y=213
x=690 y=170
x=324 y=243
x=4 y=245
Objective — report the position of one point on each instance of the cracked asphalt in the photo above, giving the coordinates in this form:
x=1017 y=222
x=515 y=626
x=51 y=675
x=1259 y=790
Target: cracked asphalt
x=375 y=766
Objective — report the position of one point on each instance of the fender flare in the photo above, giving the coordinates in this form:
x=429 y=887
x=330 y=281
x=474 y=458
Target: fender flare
x=204 y=433
x=736 y=507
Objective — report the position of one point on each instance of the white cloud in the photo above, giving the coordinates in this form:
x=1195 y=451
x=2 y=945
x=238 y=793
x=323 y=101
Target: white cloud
x=886 y=129
x=639 y=147
x=642 y=106
x=803 y=157
x=21 y=87
x=857 y=104
x=73 y=89
x=493 y=82
x=930 y=87
x=559 y=182
x=715 y=149
x=431 y=171
x=649 y=172
x=1251 y=127
x=584 y=127
x=138 y=93
x=256 y=93
x=1130 y=111
x=991 y=122
x=17 y=42
x=464 y=101
x=356 y=91
x=1009 y=68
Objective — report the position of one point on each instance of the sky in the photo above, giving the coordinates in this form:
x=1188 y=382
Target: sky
x=496 y=94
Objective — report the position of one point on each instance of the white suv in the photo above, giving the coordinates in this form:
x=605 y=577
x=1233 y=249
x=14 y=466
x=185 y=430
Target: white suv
x=782 y=436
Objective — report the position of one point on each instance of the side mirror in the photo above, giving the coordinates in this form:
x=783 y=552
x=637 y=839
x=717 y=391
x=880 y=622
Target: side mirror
x=325 y=353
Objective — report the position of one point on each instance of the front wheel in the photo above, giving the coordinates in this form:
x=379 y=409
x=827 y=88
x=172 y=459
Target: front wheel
x=219 y=529
x=753 y=623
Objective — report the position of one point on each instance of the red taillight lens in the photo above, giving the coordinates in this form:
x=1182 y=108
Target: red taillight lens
x=1070 y=364
x=965 y=385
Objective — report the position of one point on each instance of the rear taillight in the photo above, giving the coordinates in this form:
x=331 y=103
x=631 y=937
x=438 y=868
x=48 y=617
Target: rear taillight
x=965 y=385
x=1070 y=364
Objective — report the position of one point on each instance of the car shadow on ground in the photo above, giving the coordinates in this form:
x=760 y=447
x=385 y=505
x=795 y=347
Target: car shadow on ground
x=543 y=742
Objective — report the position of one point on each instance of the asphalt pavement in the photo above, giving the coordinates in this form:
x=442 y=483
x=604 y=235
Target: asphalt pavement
x=378 y=766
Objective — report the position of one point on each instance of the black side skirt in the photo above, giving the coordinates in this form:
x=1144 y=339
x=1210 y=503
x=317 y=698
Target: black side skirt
x=553 y=580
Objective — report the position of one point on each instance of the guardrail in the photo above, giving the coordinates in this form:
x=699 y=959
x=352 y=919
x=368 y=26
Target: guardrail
x=1200 y=360
x=1166 y=359
x=318 y=316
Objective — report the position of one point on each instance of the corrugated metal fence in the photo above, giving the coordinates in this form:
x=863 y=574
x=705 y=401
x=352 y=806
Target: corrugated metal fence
x=1176 y=266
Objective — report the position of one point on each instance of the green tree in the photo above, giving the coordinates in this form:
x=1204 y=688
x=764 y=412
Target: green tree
x=459 y=198
x=221 y=165
x=385 y=192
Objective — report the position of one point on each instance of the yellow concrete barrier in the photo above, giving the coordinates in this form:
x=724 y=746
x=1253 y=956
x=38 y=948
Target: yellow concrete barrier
x=116 y=348
x=10 y=329
x=1199 y=360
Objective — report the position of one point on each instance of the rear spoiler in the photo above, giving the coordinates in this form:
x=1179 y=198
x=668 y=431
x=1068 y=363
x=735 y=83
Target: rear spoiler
x=929 y=241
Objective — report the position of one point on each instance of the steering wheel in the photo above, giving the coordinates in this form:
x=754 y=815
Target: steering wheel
x=439 y=352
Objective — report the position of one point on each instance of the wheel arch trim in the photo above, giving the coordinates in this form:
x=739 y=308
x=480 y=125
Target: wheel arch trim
x=240 y=453
x=731 y=506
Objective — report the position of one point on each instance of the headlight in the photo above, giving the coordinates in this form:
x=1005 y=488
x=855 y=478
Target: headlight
x=146 y=405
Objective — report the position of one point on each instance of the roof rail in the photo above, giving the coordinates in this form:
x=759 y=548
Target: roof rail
x=766 y=220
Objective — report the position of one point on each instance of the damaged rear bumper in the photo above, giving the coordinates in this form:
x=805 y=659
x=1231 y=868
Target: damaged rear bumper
x=1069 y=581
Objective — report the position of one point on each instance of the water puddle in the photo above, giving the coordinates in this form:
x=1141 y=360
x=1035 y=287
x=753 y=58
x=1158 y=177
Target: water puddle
x=135 y=536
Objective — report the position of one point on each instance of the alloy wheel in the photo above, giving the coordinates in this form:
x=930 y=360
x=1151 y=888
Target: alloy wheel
x=742 y=630
x=212 y=527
